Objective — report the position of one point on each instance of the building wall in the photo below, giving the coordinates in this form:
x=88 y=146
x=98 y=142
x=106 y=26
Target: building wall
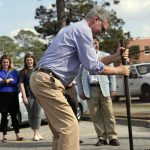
x=143 y=43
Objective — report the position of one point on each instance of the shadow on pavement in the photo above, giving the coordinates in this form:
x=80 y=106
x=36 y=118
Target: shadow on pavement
x=25 y=144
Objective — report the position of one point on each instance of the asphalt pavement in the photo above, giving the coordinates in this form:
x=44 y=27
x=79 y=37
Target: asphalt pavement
x=141 y=139
x=140 y=113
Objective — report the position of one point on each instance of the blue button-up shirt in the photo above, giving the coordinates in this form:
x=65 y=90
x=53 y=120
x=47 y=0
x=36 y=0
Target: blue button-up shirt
x=72 y=46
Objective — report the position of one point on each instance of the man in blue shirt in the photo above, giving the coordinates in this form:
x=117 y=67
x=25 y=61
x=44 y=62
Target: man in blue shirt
x=58 y=67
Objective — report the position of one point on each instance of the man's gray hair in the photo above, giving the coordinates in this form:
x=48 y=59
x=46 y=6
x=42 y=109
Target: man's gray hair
x=99 y=12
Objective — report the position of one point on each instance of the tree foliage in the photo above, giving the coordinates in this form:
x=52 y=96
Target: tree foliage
x=29 y=41
x=7 y=46
x=134 y=52
x=110 y=40
x=25 y=38
x=76 y=11
x=47 y=22
x=51 y=20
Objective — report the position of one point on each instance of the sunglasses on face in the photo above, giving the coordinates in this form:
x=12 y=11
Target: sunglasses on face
x=103 y=28
x=102 y=25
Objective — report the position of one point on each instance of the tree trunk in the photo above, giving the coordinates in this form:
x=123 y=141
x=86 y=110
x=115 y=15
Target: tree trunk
x=60 y=5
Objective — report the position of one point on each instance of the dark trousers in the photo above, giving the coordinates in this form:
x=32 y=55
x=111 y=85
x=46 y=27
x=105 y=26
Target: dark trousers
x=72 y=103
x=9 y=104
x=4 y=122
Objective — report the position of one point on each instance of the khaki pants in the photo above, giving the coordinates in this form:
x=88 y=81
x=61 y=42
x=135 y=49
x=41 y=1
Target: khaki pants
x=102 y=115
x=62 y=121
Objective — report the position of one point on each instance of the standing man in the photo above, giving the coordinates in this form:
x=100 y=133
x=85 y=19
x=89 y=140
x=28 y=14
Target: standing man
x=58 y=67
x=98 y=90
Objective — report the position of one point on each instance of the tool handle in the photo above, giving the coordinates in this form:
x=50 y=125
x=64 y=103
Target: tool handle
x=122 y=44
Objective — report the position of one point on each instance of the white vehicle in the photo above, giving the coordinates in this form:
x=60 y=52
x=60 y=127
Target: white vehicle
x=139 y=82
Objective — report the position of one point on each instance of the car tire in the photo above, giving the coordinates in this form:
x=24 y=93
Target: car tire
x=115 y=98
x=79 y=112
x=9 y=125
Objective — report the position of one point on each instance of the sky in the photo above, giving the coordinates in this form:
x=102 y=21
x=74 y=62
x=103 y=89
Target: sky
x=19 y=14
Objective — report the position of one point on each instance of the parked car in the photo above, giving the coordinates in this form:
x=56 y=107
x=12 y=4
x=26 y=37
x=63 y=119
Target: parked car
x=23 y=115
x=82 y=108
x=139 y=82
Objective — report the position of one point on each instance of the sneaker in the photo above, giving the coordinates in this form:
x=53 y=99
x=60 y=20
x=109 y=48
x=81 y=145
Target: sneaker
x=101 y=142
x=20 y=139
x=36 y=138
x=114 y=142
x=40 y=137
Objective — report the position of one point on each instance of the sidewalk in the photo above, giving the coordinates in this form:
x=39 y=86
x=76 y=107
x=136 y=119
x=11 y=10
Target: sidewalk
x=140 y=113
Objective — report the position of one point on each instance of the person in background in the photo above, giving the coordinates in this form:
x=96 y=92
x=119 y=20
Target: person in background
x=98 y=89
x=9 y=102
x=32 y=106
x=58 y=67
x=71 y=96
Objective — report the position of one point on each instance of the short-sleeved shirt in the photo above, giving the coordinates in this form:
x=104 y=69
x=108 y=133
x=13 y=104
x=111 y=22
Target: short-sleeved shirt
x=24 y=77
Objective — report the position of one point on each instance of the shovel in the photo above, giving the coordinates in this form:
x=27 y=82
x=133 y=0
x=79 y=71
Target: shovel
x=128 y=100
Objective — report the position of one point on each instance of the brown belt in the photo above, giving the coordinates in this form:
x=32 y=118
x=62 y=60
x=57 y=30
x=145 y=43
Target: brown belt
x=45 y=70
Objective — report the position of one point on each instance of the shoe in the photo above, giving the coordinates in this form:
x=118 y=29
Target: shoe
x=40 y=137
x=4 y=140
x=20 y=139
x=80 y=141
x=114 y=142
x=101 y=142
x=36 y=138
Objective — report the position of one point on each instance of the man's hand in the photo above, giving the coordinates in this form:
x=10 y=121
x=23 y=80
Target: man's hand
x=122 y=51
x=116 y=57
x=82 y=96
x=113 y=94
x=122 y=70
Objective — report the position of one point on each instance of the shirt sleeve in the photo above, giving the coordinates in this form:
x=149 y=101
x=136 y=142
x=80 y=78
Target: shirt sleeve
x=79 y=80
x=21 y=76
x=86 y=51
x=15 y=76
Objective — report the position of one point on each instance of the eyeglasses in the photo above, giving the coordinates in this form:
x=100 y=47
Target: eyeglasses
x=102 y=25
x=103 y=28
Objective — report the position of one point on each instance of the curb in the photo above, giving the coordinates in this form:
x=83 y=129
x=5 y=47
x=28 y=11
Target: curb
x=135 y=122
x=123 y=121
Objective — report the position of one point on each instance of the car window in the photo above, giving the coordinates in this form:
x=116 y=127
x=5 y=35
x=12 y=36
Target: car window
x=143 y=69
